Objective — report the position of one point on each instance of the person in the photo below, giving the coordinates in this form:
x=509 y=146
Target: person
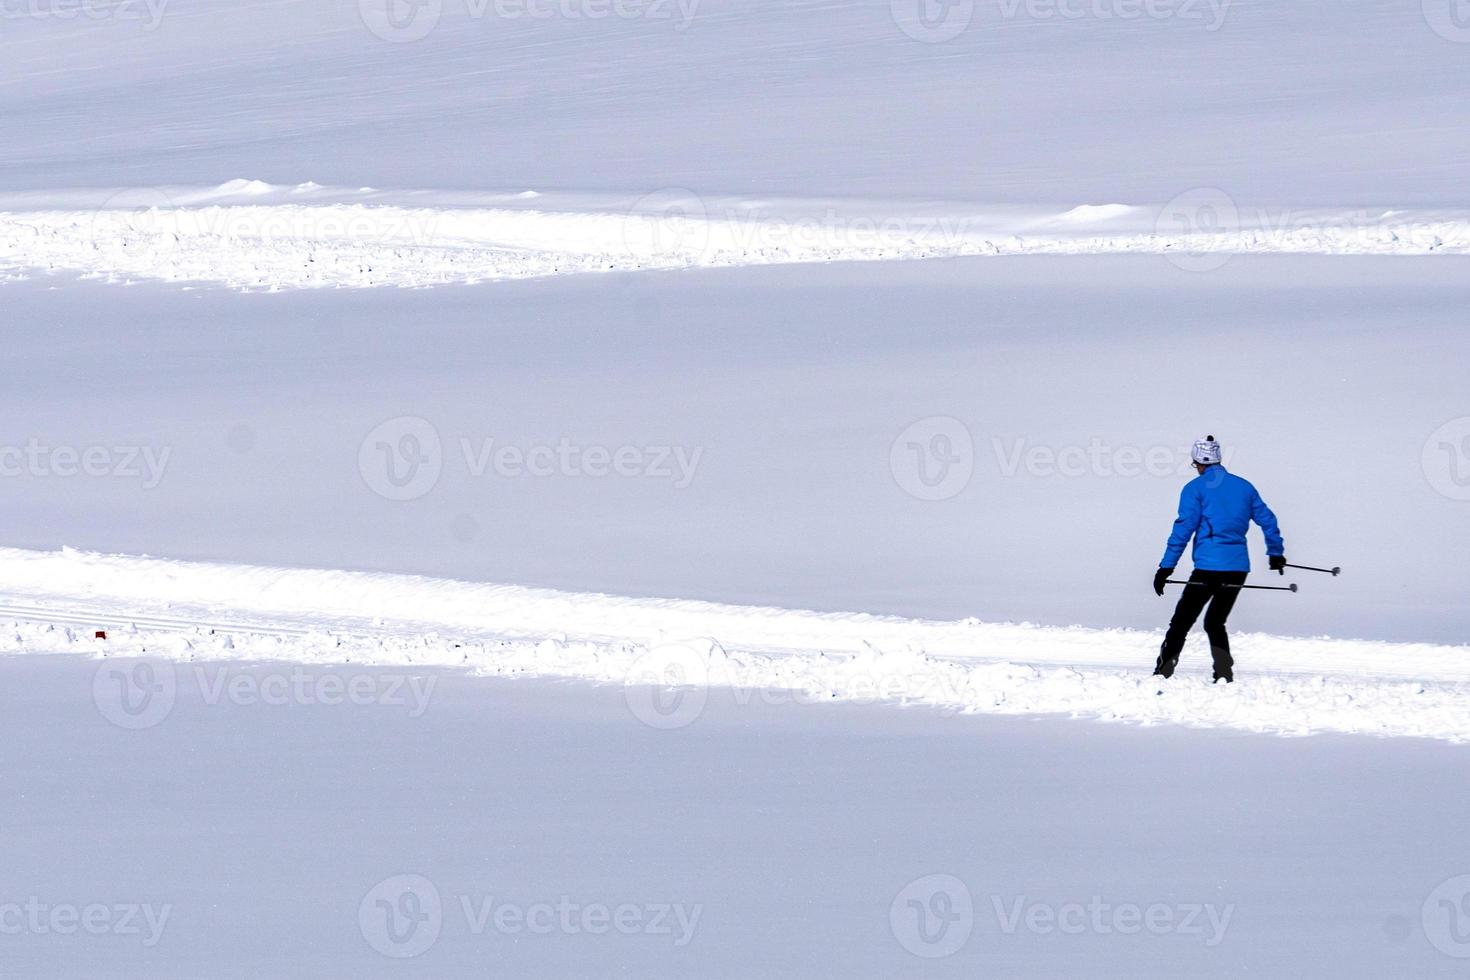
x=1216 y=509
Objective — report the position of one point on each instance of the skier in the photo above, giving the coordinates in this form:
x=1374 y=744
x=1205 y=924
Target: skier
x=1216 y=509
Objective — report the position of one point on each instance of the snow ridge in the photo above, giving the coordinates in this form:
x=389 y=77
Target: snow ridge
x=54 y=601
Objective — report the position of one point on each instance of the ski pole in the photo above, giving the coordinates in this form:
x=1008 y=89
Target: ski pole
x=1335 y=570
x=1268 y=588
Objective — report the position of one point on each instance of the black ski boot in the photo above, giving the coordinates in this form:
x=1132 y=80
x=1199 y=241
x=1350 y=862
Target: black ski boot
x=1164 y=667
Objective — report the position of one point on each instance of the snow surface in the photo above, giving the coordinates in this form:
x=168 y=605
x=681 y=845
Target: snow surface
x=248 y=234
x=262 y=824
x=210 y=612
x=1141 y=222
x=1338 y=106
x=1334 y=381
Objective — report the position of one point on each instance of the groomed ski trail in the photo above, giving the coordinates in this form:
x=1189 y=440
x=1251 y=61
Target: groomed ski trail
x=251 y=235
x=187 y=611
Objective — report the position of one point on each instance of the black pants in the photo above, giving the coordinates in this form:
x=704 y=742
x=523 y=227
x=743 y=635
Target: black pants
x=1204 y=589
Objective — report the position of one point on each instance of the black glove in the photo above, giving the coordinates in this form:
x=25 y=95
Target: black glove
x=1159 y=578
x=1278 y=564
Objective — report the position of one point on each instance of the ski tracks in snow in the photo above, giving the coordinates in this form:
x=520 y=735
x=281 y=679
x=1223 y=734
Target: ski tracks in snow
x=255 y=236
x=670 y=654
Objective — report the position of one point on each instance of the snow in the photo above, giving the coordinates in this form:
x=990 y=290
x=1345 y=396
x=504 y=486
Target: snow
x=1332 y=380
x=751 y=530
x=1275 y=103
x=356 y=239
x=200 y=612
x=792 y=837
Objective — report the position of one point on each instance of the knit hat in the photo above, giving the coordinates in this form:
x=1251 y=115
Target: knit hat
x=1205 y=451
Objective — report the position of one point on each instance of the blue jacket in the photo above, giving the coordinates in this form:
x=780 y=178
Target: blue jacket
x=1216 y=509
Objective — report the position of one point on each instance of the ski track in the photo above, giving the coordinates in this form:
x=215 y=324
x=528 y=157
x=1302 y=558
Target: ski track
x=255 y=236
x=181 y=611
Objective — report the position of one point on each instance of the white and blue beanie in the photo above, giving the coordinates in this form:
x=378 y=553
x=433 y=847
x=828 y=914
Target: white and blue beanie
x=1205 y=451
